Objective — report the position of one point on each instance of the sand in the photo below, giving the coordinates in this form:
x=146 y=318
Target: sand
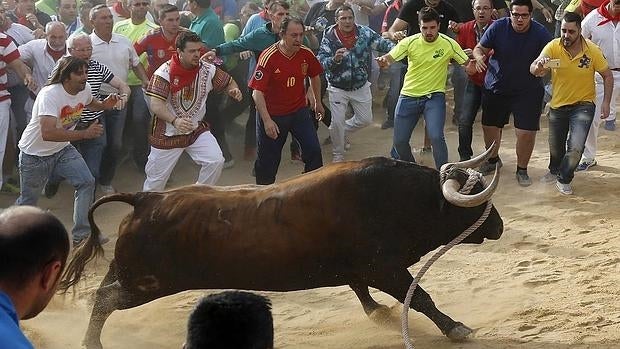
x=551 y=281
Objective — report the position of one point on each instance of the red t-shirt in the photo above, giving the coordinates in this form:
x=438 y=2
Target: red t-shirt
x=282 y=78
x=467 y=38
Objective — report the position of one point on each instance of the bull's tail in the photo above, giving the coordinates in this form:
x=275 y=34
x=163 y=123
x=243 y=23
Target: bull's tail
x=91 y=248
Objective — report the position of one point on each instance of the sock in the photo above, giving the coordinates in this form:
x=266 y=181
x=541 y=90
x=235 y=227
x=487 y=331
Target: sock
x=521 y=169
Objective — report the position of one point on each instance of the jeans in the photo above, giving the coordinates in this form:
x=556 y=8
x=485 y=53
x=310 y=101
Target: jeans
x=67 y=163
x=472 y=99
x=92 y=152
x=113 y=125
x=572 y=122
x=458 y=78
x=408 y=112
x=397 y=74
x=139 y=126
x=270 y=150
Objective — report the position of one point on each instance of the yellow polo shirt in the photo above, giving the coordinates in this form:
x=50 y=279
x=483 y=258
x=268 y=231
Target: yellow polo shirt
x=573 y=81
x=427 y=69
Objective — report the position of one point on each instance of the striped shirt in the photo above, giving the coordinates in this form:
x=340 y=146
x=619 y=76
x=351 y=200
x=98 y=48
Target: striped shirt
x=8 y=53
x=97 y=74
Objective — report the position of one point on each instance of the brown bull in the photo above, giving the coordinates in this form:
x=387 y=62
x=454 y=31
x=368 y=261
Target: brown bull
x=359 y=223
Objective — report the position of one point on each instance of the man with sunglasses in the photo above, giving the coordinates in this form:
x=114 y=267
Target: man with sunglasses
x=509 y=88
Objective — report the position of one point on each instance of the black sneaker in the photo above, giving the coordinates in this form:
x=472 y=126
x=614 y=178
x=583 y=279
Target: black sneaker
x=523 y=178
x=387 y=124
x=50 y=189
x=489 y=168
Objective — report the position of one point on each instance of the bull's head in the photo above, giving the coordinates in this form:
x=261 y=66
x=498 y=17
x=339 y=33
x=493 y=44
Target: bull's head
x=456 y=192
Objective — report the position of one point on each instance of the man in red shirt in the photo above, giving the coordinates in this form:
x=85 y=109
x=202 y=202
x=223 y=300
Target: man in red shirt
x=468 y=35
x=280 y=97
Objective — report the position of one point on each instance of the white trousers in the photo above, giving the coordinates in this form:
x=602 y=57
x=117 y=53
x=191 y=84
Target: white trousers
x=339 y=99
x=589 y=152
x=5 y=118
x=205 y=152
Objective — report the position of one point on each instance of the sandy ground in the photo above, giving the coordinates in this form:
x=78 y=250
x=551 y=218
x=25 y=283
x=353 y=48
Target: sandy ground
x=552 y=281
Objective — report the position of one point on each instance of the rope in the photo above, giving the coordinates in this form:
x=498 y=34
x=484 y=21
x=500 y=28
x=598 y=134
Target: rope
x=474 y=177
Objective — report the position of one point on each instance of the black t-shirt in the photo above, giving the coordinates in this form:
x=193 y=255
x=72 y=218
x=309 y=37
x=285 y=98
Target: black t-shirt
x=409 y=14
x=317 y=11
x=465 y=11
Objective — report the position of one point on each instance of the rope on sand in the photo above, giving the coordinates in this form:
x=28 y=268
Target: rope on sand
x=473 y=178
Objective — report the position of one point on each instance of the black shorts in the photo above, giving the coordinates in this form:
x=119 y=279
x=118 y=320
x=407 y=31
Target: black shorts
x=525 y=108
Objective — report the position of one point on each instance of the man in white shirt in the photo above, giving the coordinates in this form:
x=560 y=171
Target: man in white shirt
x=45 y=147
x=601 y=26
x=118 y=54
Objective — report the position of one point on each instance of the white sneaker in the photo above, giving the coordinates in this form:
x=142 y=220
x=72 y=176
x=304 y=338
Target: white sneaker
x=229 y=164
x=564 y=189
x=107 y=189
x=549 y=178
x=337 y=158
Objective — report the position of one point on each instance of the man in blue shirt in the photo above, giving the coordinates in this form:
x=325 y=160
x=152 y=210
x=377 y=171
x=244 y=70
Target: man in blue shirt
x=508 y=87
x=33 y=250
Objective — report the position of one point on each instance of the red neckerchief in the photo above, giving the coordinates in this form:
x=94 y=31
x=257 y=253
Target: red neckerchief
x=264 y=15
x=605 y=13
x=122 y=12
x=179 y=76
x=348 y=39
x=55 y=54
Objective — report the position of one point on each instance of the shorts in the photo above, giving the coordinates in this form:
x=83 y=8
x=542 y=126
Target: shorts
x=525 y=108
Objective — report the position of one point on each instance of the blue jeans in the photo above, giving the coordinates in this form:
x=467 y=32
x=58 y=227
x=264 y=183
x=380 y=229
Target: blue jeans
x=458 y=78
x=68 y=164
x=300 y=125
x=472 y=99
x=572 y=122
x=113 y=125
x=92 y=152
x=408 y=112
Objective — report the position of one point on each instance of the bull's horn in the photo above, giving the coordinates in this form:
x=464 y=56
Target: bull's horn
x=451 y=188
x=471 y=163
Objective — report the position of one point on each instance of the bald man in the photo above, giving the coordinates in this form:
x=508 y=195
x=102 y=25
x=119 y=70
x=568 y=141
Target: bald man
x=33 y=251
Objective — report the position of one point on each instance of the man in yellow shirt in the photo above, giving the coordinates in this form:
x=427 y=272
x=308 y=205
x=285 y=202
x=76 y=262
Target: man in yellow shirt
x=428 y=55
x=573 y=60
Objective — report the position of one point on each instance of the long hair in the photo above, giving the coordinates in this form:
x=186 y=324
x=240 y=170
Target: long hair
x=66 y=65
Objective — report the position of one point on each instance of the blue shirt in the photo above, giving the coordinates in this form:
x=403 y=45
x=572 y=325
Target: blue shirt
x=509 y=67
x=11 y=337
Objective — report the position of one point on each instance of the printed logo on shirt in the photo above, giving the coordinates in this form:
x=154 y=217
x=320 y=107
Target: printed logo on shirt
x=438 y=53
x=277 y=71
x=585 y=61
x=258 y=75
x=304 y=68
x=69 y=116
x=161 y=53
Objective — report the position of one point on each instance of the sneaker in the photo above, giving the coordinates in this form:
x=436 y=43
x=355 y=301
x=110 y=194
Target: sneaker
x=610 y=125
x=523 y=178
x=488 y=168
x=50 y=189
x=337 y=158
x=585 y=165
x=102 y=240
x=549 y=178
x=107 y=189
x=229 y=164
x=564 y=189
x=387 y=124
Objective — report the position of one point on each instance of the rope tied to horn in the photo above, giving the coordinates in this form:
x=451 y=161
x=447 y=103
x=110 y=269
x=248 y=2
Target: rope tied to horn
x=473 y=178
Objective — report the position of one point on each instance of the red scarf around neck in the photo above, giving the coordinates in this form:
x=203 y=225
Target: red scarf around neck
x=180 y=76
x=605 y=13
x=55 y=54
x=348 y=39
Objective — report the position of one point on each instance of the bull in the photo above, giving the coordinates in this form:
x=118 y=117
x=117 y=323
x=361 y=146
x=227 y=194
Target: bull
x=360 y=224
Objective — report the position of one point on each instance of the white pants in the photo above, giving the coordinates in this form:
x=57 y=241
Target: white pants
x=589 y=152
x=361 y=101
x=205 y=152
x=5 y=117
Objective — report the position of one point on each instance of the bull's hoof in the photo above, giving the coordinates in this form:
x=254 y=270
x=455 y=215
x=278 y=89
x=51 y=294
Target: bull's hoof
x=459 y=332
x=381 y=315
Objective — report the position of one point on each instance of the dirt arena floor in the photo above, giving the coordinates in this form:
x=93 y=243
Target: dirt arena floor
x=551 y=282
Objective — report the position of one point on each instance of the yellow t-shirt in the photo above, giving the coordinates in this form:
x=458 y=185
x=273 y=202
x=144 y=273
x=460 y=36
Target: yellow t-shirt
x=573 y=81
x=427 y=69
x=134 y=33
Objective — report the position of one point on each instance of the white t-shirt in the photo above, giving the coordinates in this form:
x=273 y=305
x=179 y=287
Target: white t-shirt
x=53 y=100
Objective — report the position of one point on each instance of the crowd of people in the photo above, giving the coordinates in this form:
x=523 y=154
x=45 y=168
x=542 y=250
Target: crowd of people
x=84 y=84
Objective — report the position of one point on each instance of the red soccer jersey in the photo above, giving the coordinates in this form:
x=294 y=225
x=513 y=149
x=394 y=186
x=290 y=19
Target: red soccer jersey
x=281 y=78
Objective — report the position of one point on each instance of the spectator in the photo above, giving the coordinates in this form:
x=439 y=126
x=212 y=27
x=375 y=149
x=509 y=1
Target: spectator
x=231 y=319
x=33 y=252
x=26 y=14
x=67 y=13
